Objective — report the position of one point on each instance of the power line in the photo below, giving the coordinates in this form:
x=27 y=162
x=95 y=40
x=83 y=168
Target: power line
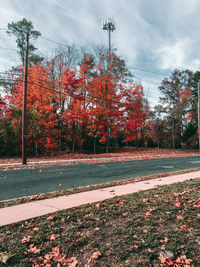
x=71 y=95
x=73 y=48
x=143 y=70
x=49 y=83
x=50 y=40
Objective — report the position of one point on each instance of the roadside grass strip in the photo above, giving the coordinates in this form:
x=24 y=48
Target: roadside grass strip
x=158 y=227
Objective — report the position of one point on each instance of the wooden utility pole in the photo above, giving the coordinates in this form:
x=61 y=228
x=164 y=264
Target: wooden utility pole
x=198 y=88
x=24 y=120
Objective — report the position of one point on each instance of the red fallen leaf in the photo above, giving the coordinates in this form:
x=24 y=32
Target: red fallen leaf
x=59 y=257
x=182 y=259
x=53 y=236
x=95 y=255
x=26 y=239
x=97 y=205
x=196 y=205
x=73 y=262
x=162 y=259
x=58 y=185
x=119 y=201
x=135 y=246
x=48 y=256
x=166 y=239
x=177 y=204
x=184 y=226
x=34 y=249
x=33 y=197
x=50 y=217
x=169 y=262
x=147 y=215
x=56 y=249
x=188 y=261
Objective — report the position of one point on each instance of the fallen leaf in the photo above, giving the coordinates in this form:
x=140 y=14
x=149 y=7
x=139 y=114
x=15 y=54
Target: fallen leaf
x=180 y=217
x=50 y=218
x=177 y=204
x=4 y=256
x=183 y=227
x=53 y=236
x=34 y=249
x=48 y=256
x=59 y=257
x=162 y=259
x=95 y=255
x=26 y=239
x=166 y=239
x=73 y=262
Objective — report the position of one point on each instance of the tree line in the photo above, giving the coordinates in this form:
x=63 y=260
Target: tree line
x=89 y=102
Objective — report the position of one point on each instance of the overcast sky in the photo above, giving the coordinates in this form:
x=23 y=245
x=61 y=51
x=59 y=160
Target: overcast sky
x=151 y=35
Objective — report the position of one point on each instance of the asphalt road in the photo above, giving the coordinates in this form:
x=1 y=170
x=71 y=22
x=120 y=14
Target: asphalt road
x=26 y=182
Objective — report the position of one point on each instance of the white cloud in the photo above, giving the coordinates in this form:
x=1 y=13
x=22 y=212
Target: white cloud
x=173 y=55
x=178 y=55
x=156 y=35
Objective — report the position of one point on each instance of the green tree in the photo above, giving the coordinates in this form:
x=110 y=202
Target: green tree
x=176 y=103
x=19 y=30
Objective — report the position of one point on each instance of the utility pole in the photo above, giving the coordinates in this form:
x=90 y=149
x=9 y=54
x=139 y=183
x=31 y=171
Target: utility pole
x=198 y=88
x=24 y=120
x=109 y=26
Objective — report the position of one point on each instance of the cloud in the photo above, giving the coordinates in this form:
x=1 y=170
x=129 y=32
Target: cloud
x=156 y=35
x=173 y=55
x=177 y=55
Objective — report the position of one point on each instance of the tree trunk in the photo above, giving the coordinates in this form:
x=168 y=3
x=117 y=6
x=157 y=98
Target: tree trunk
x=94 y=145
x=74 y=138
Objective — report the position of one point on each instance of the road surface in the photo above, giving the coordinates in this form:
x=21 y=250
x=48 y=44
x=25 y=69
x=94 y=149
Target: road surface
x=27 y=182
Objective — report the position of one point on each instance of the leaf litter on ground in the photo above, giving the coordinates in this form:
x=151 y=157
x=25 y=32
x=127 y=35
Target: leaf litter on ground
x=113 y=232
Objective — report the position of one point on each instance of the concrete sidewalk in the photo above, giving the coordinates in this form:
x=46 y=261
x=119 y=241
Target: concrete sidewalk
x=41 y=207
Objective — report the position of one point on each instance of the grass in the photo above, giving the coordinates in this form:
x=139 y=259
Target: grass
x=159 y=227
x=62 y=192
